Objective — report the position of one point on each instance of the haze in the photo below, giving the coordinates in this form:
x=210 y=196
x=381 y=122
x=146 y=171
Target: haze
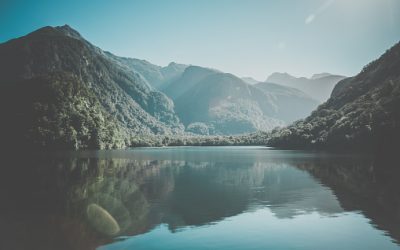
x=246 y=38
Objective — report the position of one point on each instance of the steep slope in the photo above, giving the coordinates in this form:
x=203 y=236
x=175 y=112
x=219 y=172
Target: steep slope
x=292 y=104
x=59 y=111
x=250 y=80
x=190 y=78
x=362 y=114
x=319 y=86
x=172 y=71
x=155 y=75
x=60 y=61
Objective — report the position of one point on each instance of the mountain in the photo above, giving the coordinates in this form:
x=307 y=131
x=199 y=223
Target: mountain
x=220 y=103
x=155 y=75
x=362 y=113
x=189 y=79
x=208 y=101
x=292 y=104
x=58 y=90
x=320 y=75
x=250 y=80
x=319 y=86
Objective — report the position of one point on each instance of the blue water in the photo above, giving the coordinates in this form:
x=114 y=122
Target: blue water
x=208 y=198
x=261 y=229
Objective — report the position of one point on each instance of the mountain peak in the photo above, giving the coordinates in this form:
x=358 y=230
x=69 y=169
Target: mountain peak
x=320 y=75
x=278 y=76
x=175 y=65
x=64 y=30
x=172 y=64
x=194 y=68
x=67 y=30
x=319 y=86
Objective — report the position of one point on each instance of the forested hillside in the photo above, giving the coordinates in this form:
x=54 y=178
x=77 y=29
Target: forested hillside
x=53 y=75
x=362 y=114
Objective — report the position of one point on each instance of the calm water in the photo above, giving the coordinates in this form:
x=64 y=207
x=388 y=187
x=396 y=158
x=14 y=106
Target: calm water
x=199 y=198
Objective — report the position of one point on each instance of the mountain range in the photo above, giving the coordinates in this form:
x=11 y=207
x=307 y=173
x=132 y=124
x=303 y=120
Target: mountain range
x=59 y=90
x=319 y=86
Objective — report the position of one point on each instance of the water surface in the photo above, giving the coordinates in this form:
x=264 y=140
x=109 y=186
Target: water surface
x=199 y=198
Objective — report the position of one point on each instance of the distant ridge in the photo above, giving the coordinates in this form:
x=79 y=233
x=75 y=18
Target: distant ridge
x=319 y=86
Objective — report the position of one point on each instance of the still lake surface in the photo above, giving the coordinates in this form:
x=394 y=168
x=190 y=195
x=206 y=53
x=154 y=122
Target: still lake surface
x=199 y=198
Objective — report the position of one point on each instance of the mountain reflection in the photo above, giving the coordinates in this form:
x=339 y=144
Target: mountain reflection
x=370 y=186
x=83 y=200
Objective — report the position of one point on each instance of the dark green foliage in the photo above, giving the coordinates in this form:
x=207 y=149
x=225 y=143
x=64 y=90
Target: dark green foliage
x=57 y=111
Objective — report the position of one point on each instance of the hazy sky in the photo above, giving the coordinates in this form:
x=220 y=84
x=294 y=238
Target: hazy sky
x=247 y=37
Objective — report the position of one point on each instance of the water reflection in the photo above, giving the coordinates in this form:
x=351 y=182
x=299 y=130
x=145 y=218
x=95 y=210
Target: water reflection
x=86 y=199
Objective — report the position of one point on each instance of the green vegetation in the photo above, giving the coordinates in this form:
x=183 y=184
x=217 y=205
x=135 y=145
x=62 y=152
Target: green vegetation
x=257 y=138
x=58 y=111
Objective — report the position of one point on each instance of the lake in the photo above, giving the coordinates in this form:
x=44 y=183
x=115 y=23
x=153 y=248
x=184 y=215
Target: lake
x=199 y=198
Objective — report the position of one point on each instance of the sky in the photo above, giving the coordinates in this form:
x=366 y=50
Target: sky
x=245 y=37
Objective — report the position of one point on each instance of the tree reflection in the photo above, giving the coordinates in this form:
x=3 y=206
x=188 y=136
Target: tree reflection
x=369 y=185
